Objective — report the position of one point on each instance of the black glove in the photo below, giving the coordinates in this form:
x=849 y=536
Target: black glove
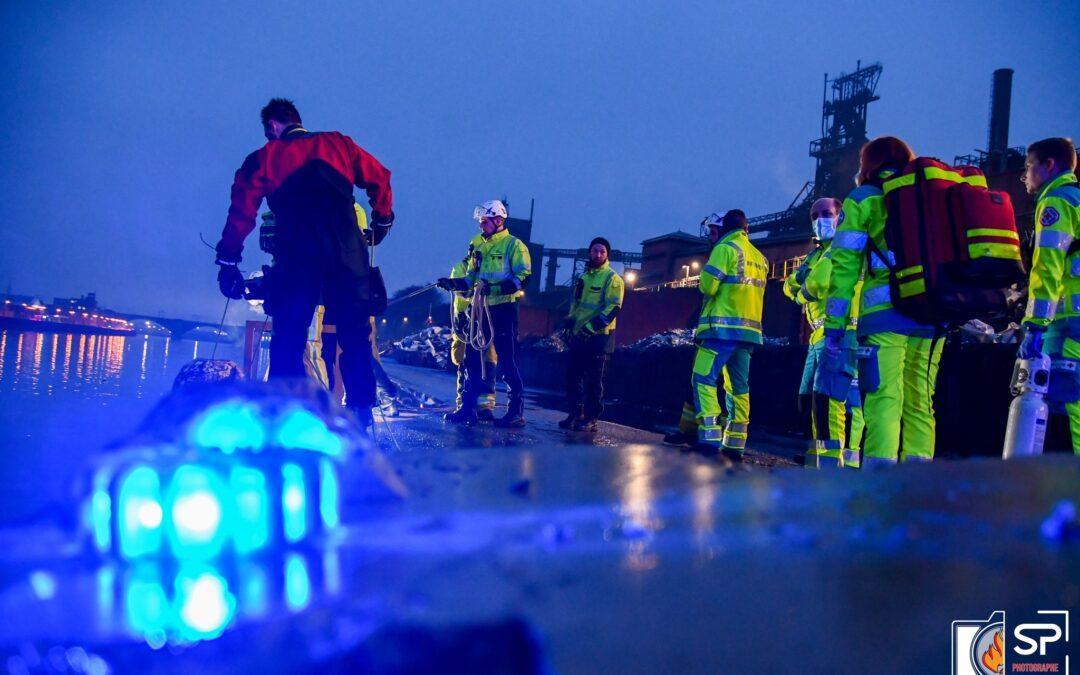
x=374 y=235
x=486 y=288
x=448 y=284
x=230 y=281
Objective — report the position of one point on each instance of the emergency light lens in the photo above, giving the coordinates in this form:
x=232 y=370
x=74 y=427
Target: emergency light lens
x=251 y=527
x=139 y=504
x=293 y=503
x=303 y=430
x=228 y=427
x=198 y=529
x=101 y=519
x=328 y=495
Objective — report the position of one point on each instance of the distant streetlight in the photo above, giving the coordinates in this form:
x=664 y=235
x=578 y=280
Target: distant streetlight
x=694 y=265
x=405 y=320
x=384 y=321
x=631 y=277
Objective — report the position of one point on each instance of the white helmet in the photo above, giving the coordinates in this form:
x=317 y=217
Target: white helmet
x=489 y=209
x=712 y=220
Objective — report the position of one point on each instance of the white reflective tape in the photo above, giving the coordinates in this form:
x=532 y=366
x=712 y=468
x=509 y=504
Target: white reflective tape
x=850 y=239
x=1055 y=239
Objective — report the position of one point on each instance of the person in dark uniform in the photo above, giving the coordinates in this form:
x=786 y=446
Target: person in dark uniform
x=307 y=179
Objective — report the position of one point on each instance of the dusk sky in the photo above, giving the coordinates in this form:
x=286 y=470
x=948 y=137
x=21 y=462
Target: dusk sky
x=124 y=123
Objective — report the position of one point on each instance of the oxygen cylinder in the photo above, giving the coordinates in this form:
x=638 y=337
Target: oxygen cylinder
x=1028 y=412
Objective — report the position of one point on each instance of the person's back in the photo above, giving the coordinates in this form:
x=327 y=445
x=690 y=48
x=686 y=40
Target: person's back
x=897 y=357
x=733 y=286
x=320 y=254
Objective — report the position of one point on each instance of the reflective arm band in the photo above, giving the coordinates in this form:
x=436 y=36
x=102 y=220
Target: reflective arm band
x=1055 y=239
x=876 y=296
x=837 y=307
x=850 y=239
x=1041 y=309
x=709 y=269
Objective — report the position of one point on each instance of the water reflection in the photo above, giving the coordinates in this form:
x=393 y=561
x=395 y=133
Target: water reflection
x=46 y=364
x=163 y=604
x=638 y=506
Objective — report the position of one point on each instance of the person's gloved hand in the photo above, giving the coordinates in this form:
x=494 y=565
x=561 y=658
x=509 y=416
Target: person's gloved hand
x=832 y=357
x=448 y=284
x=486 y=288
x=230 y=281
x=374 y=235
x=1031 y=346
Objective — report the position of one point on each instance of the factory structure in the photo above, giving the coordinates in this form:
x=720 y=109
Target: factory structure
x=663 y=275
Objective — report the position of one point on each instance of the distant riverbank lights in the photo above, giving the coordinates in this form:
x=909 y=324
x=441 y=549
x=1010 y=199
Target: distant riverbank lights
x=249 y=477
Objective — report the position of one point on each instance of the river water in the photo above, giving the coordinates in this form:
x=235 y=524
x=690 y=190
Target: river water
x=63 y=396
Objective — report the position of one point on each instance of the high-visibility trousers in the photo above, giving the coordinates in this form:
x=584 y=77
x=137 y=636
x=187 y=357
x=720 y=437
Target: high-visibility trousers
x=729 y=360
x=1063 y=345
x=835 y=403
x=457 y=357
x=897 y=376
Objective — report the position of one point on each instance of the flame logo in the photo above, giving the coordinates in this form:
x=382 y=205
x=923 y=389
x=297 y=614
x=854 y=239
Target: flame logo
x=993 y=658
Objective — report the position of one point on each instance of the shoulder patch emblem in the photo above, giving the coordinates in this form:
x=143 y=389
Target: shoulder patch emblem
x=841 y=218
x=1050 y=216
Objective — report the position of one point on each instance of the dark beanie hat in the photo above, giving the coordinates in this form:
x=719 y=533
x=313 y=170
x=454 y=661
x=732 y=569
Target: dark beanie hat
x=601 y=240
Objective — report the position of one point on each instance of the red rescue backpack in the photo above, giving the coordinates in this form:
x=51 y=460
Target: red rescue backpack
x=953 y=244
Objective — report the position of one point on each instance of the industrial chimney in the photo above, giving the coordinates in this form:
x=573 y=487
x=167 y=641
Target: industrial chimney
x=997 y=145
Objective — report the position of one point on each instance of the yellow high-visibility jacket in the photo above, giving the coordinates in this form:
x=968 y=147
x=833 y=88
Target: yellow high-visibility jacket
x=862 y=220
x=503 y=261
x=808 y=287
x=733 y=283
x=1054 y=286
x=598 y=297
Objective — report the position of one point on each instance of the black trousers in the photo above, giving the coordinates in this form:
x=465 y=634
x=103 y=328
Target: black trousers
x=585 y=375
x=320 y=259
x=504 y=319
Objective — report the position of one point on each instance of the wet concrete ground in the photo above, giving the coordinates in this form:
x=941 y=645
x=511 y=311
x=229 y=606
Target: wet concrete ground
x=526 y=551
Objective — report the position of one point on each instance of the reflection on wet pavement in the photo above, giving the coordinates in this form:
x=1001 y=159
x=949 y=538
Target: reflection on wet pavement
x=622 y=555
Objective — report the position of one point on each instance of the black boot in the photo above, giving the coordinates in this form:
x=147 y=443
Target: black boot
x=585 y=425
x=515 y=414
x=464 y=415
x=679 y=438
x=485 y=415
x=573 y=416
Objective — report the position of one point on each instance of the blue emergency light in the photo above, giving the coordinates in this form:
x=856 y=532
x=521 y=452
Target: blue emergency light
x=246 y=478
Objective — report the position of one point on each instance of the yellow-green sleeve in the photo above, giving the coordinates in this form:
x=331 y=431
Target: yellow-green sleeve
x=718 y=267
x=1054 y=233
x=848 y=253
x=792 y=286
x=816 y=285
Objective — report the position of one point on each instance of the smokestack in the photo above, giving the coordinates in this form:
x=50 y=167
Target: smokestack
x=1000 y=105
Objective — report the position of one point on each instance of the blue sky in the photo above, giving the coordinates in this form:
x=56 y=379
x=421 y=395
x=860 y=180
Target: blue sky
x=124 y=122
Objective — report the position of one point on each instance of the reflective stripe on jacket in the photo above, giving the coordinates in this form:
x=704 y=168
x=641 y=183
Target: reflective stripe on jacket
x=1054 y=285
x=808 y=287
x=862 y=220
x=733 y=283
x=502 y=258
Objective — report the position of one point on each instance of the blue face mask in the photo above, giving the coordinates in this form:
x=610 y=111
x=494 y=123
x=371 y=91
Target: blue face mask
x=824 y=228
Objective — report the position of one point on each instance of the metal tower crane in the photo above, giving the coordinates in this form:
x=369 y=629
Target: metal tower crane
x=843 y=128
